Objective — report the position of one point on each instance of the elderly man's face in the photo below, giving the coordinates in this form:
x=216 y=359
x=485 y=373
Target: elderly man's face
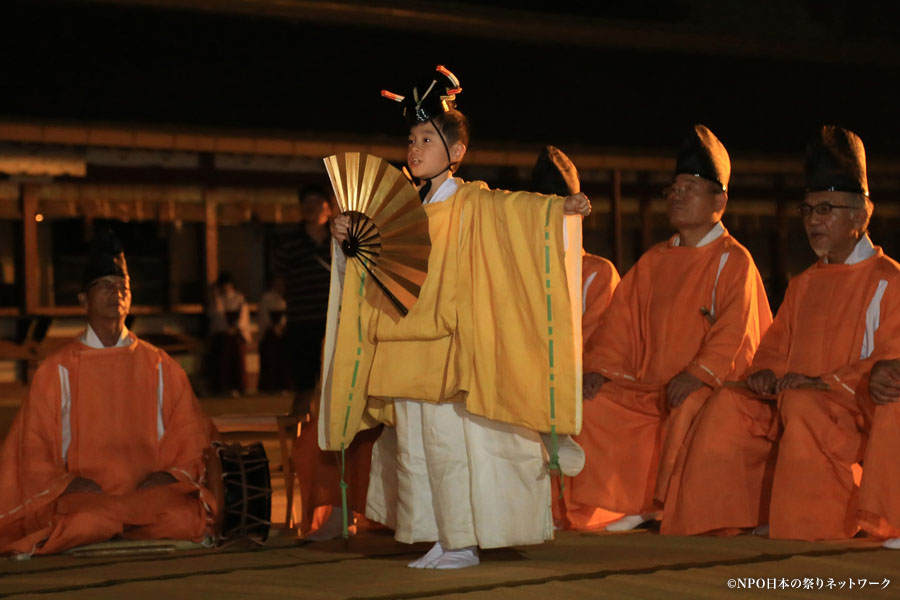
x=838 y=229
x=693 y=202
x=107 y=298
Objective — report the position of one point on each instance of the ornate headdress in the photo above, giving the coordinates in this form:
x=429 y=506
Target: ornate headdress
x=430 y=98
x=703 y=155
x=106 y=258
x=836 y=162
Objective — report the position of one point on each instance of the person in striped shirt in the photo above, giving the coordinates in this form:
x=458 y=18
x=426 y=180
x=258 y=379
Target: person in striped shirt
x=303 y=260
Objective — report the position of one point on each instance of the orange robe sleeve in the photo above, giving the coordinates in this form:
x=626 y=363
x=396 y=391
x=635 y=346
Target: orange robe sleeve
x=188 y=430
x=31 y=462
x=599 y=280
x=886 y=342
x=742 y=316
x=776 y=343
x=32 y=472
x=776 y=352
x=614 y=346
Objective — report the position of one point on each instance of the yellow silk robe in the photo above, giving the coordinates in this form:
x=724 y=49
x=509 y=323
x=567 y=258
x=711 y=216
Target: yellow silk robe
x=497 y=323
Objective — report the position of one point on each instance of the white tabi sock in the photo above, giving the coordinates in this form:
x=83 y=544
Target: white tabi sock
x=761 y=530
x=427 y=560
x=893 y=543
x=458 y=559
x=629 y=522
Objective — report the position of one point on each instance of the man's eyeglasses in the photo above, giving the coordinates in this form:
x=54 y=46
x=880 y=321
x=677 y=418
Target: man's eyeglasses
x=673 y=190
x=823 y=208
x=112 y=286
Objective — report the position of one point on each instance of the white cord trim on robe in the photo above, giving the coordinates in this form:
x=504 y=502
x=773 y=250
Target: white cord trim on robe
x=715 y=232
x=584 y=292
x=65 y=409
x=873 y=320
x=844 y=385
x=25 y=503
x=160 y=426
x=26 y=555
x=711 y=374
x=192 y=481
x=618 y=375
x=712 y=306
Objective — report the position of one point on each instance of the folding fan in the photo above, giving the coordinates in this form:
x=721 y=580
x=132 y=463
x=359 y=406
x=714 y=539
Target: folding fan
x=388 y=227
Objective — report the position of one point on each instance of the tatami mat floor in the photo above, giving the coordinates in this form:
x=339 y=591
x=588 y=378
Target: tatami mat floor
x=373 y=566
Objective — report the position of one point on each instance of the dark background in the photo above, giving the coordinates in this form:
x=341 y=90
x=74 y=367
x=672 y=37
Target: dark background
x=762 y=77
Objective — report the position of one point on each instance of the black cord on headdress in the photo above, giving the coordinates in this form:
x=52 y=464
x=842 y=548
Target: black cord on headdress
x=426 y=187
x=416 y=114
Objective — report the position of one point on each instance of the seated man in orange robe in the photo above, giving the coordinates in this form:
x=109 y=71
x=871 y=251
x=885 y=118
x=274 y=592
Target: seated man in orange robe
x=687 y=316
x=555 y=173
x=778 y=455
x=110 y=440
x=879 y=490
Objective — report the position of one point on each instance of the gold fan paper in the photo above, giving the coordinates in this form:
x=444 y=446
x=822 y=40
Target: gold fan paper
x=388 y=225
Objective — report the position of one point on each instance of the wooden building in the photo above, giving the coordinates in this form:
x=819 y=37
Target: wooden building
x=609 y=84
x=191 y=204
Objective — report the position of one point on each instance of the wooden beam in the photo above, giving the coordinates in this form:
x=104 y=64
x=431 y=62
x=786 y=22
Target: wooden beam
x=29 y=197
x=615 y=211
x=140 y=309
x=314 y=147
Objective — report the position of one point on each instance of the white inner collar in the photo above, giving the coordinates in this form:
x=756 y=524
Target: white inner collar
x=864 y=249
x=445 y=190
x=717 y=230
x=92 y=340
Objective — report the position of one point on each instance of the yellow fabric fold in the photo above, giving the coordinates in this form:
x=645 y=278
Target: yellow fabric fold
x=494 y=326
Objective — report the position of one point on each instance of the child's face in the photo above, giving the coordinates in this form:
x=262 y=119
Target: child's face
x=425 y=154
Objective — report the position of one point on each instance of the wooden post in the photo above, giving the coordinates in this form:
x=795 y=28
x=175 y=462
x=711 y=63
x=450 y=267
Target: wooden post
x=780 y=264
x=615 y=213
x=646 y=211
x=212 y=237
x=28 y=195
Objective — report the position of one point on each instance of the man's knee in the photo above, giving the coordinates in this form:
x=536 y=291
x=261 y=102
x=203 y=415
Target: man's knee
x=87 y=527
x=799 y=407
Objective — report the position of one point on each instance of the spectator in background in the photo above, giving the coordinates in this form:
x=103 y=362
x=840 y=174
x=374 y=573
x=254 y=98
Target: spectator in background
x=229 y=325
x=274 y=369
x=303 y=261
